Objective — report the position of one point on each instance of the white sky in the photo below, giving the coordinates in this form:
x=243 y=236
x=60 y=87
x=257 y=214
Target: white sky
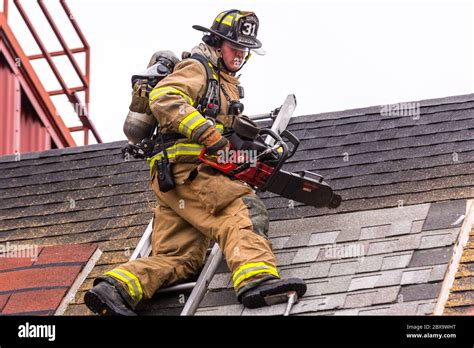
x=332 y=55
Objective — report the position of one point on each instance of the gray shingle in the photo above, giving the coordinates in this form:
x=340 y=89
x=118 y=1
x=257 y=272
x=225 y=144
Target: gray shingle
x=300 y=272
x=443 y=214
x=374 y=232
x=222 y=297
x=382 y=135
x=309 y=254
x=434 y=240
x=382 y=246
x=316 y=288
x=417 y=226
x=364 y=282
x=323 y=238
x=428 y=257
x=220 y=281
x=286 y=228
x=415 y=276
x=370 y=264
x=385 y=310
x=277 y=309
x=387 y=295
x=360 y=299
x=318 y=304
x=343 y=268
x=337 y=284
x=420 y=292
x=389 y=278
x=426 y=308
x=410 y=242
x=403 y=308
x=343 y=251
x=438 y=272
x=396 y=261
x=319 y=269
x=349 y=234
x=299 y=239
x=279 y=243
x=222 y=267
x=383 y=145
x=221 y=310
x=284 y=259
x=399 y=227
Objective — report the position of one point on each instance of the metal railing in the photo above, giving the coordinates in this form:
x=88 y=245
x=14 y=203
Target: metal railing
x=70 y=92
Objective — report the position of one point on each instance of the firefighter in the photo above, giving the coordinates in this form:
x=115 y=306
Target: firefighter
x=204 y=205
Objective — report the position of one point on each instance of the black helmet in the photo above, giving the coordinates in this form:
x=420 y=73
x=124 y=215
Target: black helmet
x=237 y=27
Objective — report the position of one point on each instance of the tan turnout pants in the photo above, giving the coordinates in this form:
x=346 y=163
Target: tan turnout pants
x=204 y=205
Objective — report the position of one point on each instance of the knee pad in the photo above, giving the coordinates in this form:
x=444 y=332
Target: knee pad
x=258 y=214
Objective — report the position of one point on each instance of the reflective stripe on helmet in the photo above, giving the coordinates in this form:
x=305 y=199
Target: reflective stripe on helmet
x=190 y=122
x=132 y=282
x=157 y=92
x=249 y=270
x=227 y=18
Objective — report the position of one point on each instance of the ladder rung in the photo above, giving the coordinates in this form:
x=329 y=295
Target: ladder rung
x=56 y=53
x=176 y=288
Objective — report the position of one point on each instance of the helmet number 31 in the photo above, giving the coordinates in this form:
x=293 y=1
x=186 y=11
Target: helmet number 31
x=248 y=29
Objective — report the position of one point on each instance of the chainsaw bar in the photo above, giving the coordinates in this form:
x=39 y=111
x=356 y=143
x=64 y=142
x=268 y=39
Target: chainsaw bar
x=307 y=188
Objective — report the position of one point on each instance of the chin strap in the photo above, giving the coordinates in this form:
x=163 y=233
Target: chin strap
x=245 y=61
x=220 y=62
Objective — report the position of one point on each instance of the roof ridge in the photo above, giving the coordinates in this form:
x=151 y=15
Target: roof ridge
x=375 y=109
x=63 y=151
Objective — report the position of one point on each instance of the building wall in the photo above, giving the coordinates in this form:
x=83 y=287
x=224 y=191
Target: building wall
x=20 y=127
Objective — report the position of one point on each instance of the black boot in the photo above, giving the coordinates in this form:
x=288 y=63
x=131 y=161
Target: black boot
x=271 y=292
x=104 y=299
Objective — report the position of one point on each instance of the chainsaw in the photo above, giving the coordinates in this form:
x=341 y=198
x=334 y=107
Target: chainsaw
x=258 y=162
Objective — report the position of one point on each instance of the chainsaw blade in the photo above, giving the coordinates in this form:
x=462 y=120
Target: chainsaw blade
x=310 y=190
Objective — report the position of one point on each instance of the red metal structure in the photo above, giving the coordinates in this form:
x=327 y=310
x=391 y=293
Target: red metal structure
x=29 y=120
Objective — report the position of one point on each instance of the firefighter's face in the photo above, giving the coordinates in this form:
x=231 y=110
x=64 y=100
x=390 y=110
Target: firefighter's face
x=233 y=55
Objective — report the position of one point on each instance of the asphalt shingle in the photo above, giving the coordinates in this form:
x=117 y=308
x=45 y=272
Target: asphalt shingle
x=404 y=187
x=428 y=257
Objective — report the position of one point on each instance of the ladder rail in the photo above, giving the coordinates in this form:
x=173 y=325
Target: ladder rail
x=200 y=287
x=143 y=248
x=203 y=281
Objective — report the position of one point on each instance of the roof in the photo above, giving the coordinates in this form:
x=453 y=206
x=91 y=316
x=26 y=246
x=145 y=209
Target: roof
x=35 y=280
x=404 y=180
x=388 y=261
x=76 y=195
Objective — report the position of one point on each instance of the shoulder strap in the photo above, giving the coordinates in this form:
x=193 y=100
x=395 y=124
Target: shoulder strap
x=211 y=95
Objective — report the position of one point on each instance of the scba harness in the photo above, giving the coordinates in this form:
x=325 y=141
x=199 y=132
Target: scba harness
x=142 y=128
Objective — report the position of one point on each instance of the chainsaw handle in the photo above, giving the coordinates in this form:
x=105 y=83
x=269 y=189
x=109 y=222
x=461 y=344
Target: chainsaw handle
x=223 y=167
x=282 y=157
x=292 y=139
